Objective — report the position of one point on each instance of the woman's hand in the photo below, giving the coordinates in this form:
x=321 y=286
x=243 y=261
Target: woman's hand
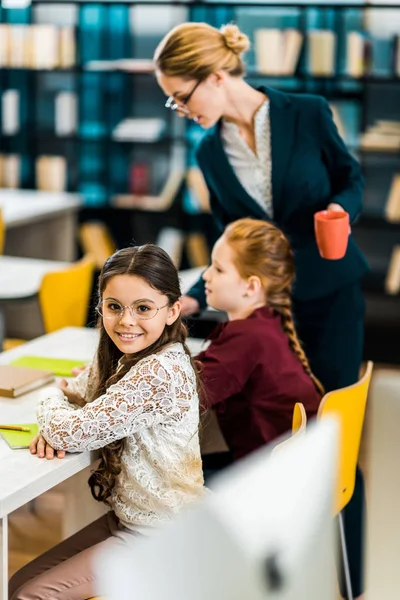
x=337 y=208
x=72 y=397
x=189 y=306
x=42 y=449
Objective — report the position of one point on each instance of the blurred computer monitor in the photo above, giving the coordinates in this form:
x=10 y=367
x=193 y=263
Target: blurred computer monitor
x=266 y=531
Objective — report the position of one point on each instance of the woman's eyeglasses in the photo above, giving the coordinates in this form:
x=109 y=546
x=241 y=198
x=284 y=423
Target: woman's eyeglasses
x=142 y=309
x=182 y=107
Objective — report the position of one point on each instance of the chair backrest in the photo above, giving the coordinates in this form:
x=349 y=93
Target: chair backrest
x=2 y=232
x=348 y=405
x=299 y=423
x=64 y=296
x=96 y=241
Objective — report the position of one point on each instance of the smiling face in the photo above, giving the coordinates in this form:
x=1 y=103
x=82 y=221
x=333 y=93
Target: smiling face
x=128 y=331
x=204 y=103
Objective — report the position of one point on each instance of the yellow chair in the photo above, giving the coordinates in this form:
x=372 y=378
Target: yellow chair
x=299 y=423
x=96 y=241
x=348 y=406
x=64 y=298
x=64 y=295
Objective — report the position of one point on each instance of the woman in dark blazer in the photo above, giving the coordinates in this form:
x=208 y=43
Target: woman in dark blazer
x=277 y=156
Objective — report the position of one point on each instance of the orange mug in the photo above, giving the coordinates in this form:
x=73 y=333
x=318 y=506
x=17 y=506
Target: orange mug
x=332 y=233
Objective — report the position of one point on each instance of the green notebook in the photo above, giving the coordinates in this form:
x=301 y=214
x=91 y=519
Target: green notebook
x=20 y=439
x=59 y=366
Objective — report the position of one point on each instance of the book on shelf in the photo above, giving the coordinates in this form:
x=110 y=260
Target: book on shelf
x=130 y=65
x=10 y=167
x=381 y=55
x=139 y=179
x=10 y=112
x=321 y=52
x=66 y=117
x=293 y=41
x=382 y=135
x=355 y=55
x=44 y=47
x=392 y=280
x=277 y=51
x=4 y=44
x=396 y=56
x=66 y=47
x=392 y=206
x=18 y=46
x=138 y=129
x=37 y=46
x=15 y=381
x=154 y=203
x=51 y=173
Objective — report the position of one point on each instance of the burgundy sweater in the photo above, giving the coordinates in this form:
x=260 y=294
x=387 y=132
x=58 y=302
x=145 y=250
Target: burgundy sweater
x=253 y=380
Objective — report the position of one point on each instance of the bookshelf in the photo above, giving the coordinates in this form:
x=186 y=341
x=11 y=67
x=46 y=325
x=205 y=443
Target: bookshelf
x=99 y=36
x=105 y=79
x=99 y=74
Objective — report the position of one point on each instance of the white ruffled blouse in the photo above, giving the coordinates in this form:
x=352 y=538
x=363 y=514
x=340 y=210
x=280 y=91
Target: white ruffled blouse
x=155 y=407
x=254 y=171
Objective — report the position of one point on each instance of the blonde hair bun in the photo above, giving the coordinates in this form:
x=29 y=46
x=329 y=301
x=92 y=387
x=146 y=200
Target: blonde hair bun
x=234 y=39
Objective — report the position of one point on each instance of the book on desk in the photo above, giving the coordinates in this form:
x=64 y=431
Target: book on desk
x=15 y=381
x=19 y=440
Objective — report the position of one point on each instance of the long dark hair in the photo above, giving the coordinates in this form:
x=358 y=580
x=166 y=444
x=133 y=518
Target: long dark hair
x=154 y=266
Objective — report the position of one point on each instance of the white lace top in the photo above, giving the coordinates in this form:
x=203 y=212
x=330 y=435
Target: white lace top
x=253 y=170
x=155 y=407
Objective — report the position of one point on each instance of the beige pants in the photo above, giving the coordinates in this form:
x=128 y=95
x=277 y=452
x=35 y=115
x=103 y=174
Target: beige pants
x=66 y=571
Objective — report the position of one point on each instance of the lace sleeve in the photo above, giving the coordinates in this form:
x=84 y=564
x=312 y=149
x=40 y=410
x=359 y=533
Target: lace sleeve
x=79 y=384
x=153 y=392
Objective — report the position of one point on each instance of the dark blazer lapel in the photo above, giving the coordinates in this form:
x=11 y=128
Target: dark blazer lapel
x=283 y=126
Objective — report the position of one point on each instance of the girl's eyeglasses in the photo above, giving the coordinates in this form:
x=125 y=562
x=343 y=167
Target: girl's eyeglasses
x=171 y=104
x=142 y=309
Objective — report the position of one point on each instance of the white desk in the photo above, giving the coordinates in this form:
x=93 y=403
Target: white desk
x=40 y=224
x=23 y=476
x=20 y=279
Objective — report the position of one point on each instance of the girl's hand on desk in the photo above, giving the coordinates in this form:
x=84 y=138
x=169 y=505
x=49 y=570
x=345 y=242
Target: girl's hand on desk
x=77 y=370
x=42 y=449
x=72 y=397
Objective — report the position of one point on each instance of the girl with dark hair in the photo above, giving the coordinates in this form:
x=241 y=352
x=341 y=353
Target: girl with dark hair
x=139 y=403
